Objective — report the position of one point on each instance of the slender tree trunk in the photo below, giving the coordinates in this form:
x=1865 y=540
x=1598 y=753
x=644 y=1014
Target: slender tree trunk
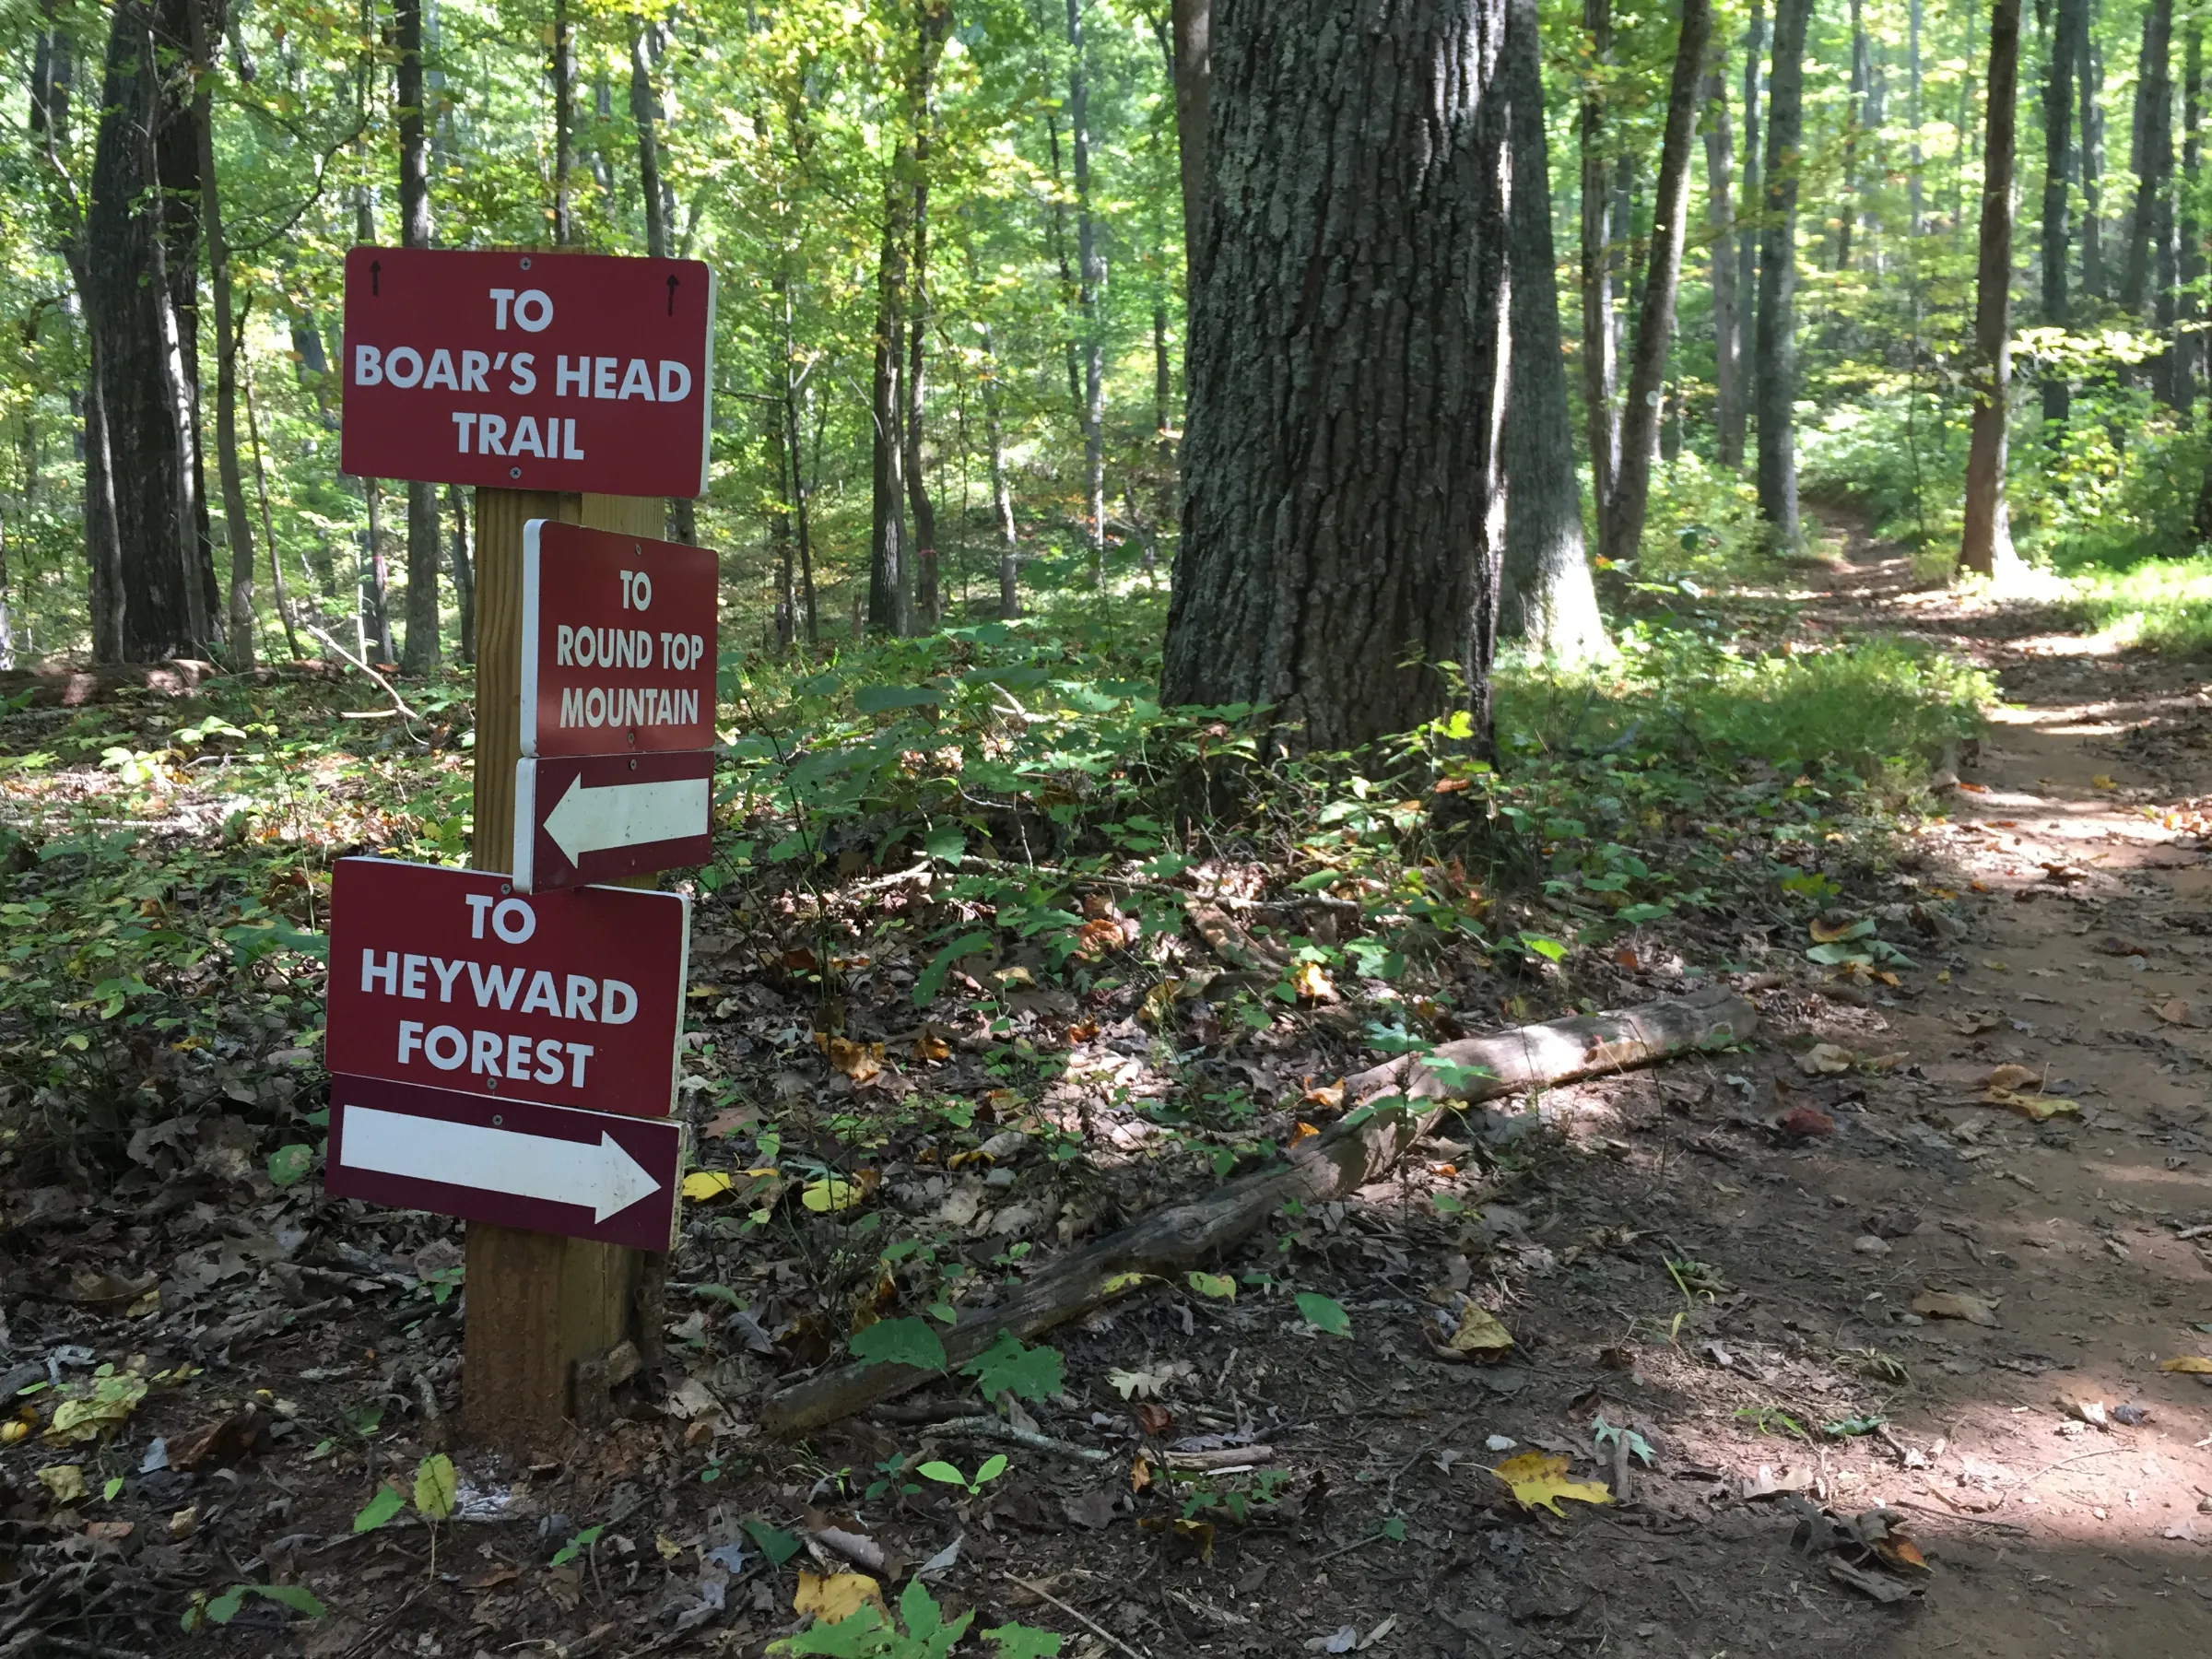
x=1599 y=365
x=1193 y=76
x=1917 y=160
x=1720 y=208
x=1090 y=270
x=1750 y=215
x=1655 y=320
x=2058 y=138
x=1546 y=601
x=780 y=532
x=564 y=130
x=889 y=571
x=1002 y=496
x=653 y=197
x=2189 y=343
x=934 y=23
x=1986 y=544
x=1341 y=477
x=379 y=576
x=464 y=575
x=1776 y=370
x=1961 y=131
x=2092 y=163
x=425 y=534
x=1854 y=123
x=261 y=489
x=2153 y=148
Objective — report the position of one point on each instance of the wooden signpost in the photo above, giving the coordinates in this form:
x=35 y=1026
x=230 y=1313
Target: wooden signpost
x=607 y=362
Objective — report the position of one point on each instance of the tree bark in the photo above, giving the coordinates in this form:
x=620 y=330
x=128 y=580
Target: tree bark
x=1546 y=600
x=261 y=490
x=563 y=66
x=2189 y=341
x=141 y=260
x=653 y=195
x=464 y=576
x=1655 y=317
x=1194 y=77
x=1912 y=179
x=890 y=571
x=1854 y=125
x=2058 y=138
x=1341 y=547
x=1336 y=1162
x=1600 y=370
x=1090 y=275
x=1750 y=215
x=2092 y=164
x=1002 y=495
x=934 y=21
x=1986 y=544
x=1727 y=337
x=1776 y=372
x=425 y=534
x=2153 y=148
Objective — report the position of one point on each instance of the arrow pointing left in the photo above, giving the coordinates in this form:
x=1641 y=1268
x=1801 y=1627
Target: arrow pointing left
x=602 y=817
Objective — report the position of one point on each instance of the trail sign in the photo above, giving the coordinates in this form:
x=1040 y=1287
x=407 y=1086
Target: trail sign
x=602 y=817
x=549 y=1169
x=557 y=371
x=449 y=979
x=618 y=642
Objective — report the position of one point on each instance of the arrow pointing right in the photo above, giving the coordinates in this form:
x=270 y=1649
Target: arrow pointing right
x=605 y=1178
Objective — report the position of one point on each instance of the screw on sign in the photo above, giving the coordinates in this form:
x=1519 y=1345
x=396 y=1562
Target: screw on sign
x=553 y=371
x=449 y=979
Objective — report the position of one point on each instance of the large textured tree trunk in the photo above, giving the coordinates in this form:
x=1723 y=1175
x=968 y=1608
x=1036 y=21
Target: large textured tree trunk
x=141 y=259
x=1193 y=76
x=1546 y=600
x=1986 y=545
x=2058 y=138
x=1720 y=209
x=889 y=569
x=1663 y=276
x=236 y=521
x=1091 y=276
x=1751 y=213
x=1340 y=472
x=1600 y=370
x=1776 y=370
x=425 y=534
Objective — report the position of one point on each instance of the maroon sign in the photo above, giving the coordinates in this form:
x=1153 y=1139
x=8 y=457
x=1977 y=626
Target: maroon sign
x=451 y=980
x=617 y=643
x=602 y=817
x=549 y=1168
x=569 y=372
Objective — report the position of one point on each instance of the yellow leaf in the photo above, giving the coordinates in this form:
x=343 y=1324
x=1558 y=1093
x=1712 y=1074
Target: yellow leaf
x=702 y=1185
x=1312 y=983
x=63 y=1482
x=1827 y=930
x=835 y=1597
x=1302 y=1130
x=2103 y=781
x=1479 y=1333
x=667 y=1546
x=859 y=1061
x=1539 y=1480
x=1219 y=1285
x=13 y=1432
x=2035 y=1106
x=1118 y=1282
x=2012 y=1077
x=832 y=1195
x=437 y=1490
x=2195 y=1365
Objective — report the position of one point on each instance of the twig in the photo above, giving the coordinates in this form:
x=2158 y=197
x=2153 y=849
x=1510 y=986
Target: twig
x=1129 y=883
x=1962 y=1517
x=2061 y=1463
x=1088 y=1623
x=398 y=701
x=1373 y=1537
x=991 y=1429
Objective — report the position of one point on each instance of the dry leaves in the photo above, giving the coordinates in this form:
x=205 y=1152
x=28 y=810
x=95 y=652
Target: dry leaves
x=1824 y=1059
x=862 y=1062
x=2194 y=1365
x=833 y=1597
x=1951 y=1304
x=1479 y=1335
x=1538 y=1480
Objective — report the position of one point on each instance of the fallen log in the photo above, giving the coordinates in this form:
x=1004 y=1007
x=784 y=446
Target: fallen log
x=1405 y=1096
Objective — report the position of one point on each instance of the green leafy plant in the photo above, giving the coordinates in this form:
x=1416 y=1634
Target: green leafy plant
x=990 y=1469
x=900 y=1342
x=1325 y=1314
x=919 y=1631
x=1008 y=1367
x=222 y=1608
x=580 y=1543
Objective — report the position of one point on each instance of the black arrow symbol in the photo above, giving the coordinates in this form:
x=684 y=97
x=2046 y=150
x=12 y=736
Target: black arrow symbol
x=376 y=268
x=672 y=296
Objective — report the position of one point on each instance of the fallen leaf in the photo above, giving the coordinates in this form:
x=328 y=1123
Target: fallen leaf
x=2011 y=1077
x=2102 y=781
x=1312 y=983
x=931 y=1048
x=703 y=1185
x=735 y=1120
x=1140 y=1473
x=109 y=1531
x=2195 y=1365
x=1973 y=1022
x=1150 y=1384
x=1832 y=929
x=1871 y=1583
x=1479 y=1334
x=2036 y=1106
x=859 y=1061
x=1096 y=936
x=105 y=1409
x=1824 y=1059
x=1950 y=1304
x=2173 y=1013
x=224 y=1440
x=1539 y=1480
x=2112 y=944
x=1185 y=1537
x=836 y=1596
x=1220 y=1287
x=834 y=1194
x=493 y=1577
x=1807 y=1123
x=1330 y=1095
x=1301 y=1131
x=64 y=1483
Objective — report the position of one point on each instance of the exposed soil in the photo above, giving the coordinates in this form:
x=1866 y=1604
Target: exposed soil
x=1752 y=1368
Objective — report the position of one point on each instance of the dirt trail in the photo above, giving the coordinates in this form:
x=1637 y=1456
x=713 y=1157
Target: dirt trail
x=2089 y=969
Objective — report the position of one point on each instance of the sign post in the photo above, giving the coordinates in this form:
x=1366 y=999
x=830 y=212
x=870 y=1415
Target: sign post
x=573 y=388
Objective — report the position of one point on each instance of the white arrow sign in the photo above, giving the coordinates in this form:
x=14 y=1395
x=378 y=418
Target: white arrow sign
x=610 y=816
x=605 y=1178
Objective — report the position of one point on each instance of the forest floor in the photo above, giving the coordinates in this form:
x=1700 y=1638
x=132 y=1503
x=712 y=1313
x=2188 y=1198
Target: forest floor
x=1710 y=1271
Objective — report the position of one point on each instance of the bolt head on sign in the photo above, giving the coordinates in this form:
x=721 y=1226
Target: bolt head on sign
x=618 y=642
x=555 y=372
x=547 y=1168
x=451 y=979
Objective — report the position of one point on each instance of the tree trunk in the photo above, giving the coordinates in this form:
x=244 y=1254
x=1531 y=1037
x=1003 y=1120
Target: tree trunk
x=1655 y=318
x=2153 y=147
x=1546 y=600
x=2092 y=163
x=1600 y=368
x=1750 y=215
x=563 y=68
x=1854 y=123
x=1193 y=76
x=890 y=575
x=261 y=490
x=2058 y=138
x=934 y=23
x=653 y=197
x=141 y=257
x=1090 y=273
x=1912 y=179
x=425 y=534
x=379 y=575
x=1986 y=545
x=464 y=576
x=1340 y=466
x=1002 y=496
x=1776 y=370
x=2189 y=341
x=1728 y=338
